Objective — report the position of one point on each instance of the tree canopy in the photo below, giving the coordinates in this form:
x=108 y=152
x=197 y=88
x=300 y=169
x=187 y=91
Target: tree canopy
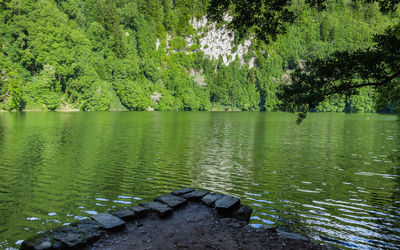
x=268 y=18
x=343 y=72
x=346 y=72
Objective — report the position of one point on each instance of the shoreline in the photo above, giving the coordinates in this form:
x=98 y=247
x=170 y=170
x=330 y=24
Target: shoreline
x=211 y=111
x=186 y=218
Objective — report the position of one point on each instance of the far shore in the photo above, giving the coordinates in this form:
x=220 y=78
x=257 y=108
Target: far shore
x=72 y=110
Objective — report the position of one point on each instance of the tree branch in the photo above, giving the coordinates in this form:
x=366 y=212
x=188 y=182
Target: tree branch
x=338 y=89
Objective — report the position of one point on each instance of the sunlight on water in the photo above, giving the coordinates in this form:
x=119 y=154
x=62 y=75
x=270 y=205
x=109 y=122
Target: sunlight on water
x=335 y=177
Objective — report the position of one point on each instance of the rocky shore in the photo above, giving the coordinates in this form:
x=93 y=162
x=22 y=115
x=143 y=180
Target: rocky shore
x=185 y=219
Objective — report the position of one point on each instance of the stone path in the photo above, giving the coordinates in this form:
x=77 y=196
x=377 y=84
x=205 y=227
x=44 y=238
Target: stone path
x=170 y=221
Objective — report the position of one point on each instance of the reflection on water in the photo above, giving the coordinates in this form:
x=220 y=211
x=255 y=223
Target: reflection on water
x=336 y=177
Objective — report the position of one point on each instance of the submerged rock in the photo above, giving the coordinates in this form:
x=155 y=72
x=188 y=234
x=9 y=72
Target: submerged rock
x=293 y=236
x=171 y=200
x=227 y=204
x=109 y=222
x=162 y=210
x=182 y=191
x=40 y=242
x=195 y=195
x=211 y=198
x=266 y=228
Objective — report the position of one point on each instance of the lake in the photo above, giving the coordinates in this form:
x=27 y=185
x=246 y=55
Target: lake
x=335 y=177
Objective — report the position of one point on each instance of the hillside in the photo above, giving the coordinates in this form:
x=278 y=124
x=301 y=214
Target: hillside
x=165 y=55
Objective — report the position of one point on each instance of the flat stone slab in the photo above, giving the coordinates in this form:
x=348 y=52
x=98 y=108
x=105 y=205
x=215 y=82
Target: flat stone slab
x=211 y=198
x=69 y=236
x=171 y=200
x=40 y=242
x=162 y=210
x=243 y=213
x=90 y=229
x=109 y=222
x=227 y=204
x=140 y=212
x=182 y=191
x=195 y=195
x=125 y=214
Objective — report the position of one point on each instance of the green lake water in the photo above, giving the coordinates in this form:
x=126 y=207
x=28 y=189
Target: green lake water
x=335 y=177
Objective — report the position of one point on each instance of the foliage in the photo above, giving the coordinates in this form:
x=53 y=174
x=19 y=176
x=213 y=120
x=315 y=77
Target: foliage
x=177 y=43
x=327 y=73
x=268 y=19
x=345 y=72
x=105 y=54
x=16 y=101
x=11 y=89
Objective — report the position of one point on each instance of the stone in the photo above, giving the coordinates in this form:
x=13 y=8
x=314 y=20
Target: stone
x=69 y=236
x=281 y=228
x=140 y=212
x=109 y=222
x=331 y=247
x=171 y=200
x=90 y=229
x=293 y=236
x=195 y=195
x=227 y=204
x=211 y=198
x=183 y=191
x=40 y=242
x=243 y=213
x=269 y=228
x=162 y=210
x=125 y=214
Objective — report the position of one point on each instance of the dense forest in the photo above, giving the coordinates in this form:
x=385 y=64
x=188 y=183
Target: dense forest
x=136 y=55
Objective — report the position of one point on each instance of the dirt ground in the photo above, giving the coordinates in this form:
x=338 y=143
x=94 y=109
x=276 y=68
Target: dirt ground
x=196 y=226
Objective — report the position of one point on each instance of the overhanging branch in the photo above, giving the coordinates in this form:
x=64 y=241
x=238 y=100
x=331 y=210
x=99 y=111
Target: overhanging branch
x=340 y=89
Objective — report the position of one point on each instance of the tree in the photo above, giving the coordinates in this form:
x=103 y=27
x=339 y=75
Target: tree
x=266 y=19
x=269 y=18
x=11 y=91
x=16 y=101
x=346 y=72
x=107 y=15
x=343 y=72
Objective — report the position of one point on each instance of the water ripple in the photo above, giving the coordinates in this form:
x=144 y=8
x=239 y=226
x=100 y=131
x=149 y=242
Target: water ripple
x=335 y=176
